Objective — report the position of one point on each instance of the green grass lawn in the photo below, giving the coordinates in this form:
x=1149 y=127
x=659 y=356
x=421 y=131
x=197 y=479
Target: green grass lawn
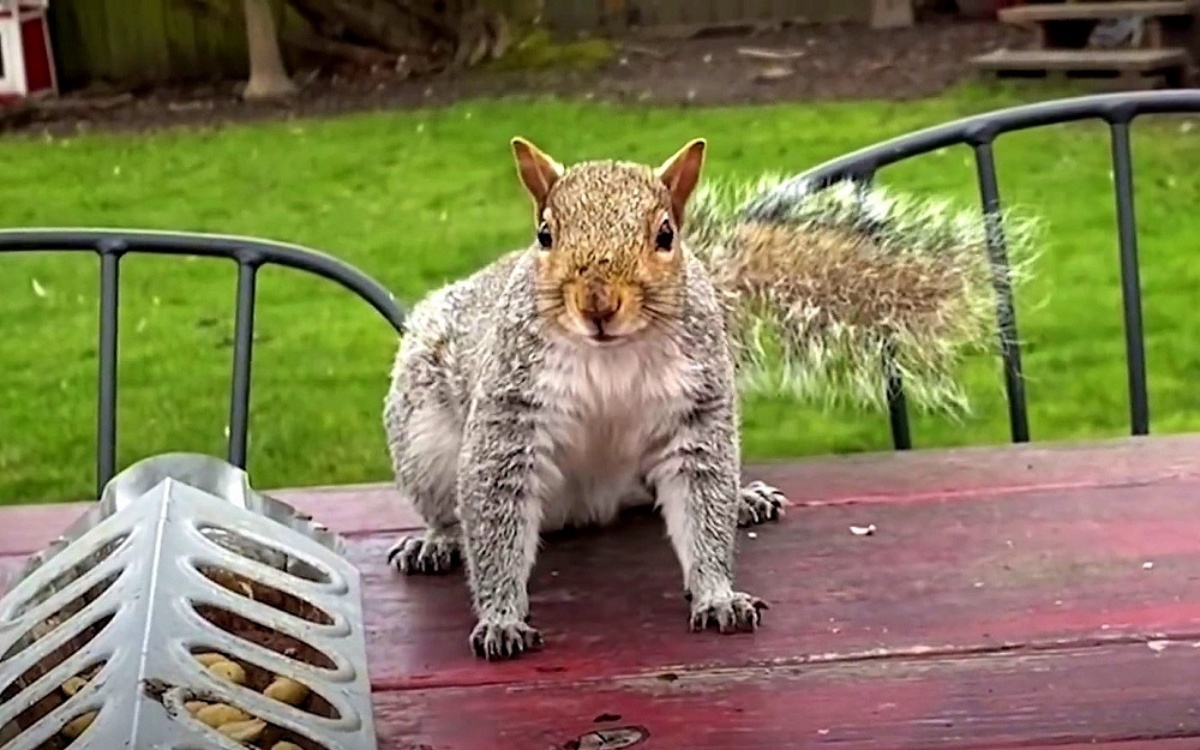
x=419 y=198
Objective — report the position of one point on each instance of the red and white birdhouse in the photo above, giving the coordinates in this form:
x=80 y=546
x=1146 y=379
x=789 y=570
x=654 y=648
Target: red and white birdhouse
x=26 y=59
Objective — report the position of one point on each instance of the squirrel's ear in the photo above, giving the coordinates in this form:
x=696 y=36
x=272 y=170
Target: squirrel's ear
x=681 y=173
x=537 y=170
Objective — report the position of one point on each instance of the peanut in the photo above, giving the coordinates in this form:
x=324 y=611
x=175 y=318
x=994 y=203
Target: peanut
x=79 y=724
x=230 y=581
x=209 y=659
x=287 y=691
x=229 y=670
x=73 y=685
x=243 y=731
x=193 y=707
x=219 y=714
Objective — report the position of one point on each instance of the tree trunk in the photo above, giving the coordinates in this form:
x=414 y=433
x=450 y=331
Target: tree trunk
x=268 y=77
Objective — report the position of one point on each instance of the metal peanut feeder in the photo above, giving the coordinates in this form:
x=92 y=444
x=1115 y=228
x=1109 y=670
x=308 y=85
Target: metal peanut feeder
x=186 y=610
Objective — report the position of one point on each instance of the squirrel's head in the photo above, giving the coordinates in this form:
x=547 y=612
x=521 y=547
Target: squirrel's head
x=607 y=236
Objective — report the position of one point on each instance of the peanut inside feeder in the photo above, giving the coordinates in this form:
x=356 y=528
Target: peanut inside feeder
x=237 y=724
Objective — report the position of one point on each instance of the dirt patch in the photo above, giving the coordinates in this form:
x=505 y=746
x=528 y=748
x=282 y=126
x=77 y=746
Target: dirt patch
x=811 y=63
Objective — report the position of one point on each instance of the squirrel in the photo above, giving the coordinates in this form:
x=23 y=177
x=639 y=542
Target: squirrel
x=593 y=371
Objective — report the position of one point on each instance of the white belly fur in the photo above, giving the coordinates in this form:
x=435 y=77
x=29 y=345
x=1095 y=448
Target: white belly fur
x=612 y=410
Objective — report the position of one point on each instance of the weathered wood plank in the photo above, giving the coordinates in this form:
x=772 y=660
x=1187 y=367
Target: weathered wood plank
x=148 y=41
x=154 y=17
x=1033 y=569
x=1038 y=569
x=913 y=476
x=1140 y=60
x=179 y=41
x=757 y=10
x=995 y=606
x=129 y=38
x=1041 y=12
x=1115 y=697
x=867 y=478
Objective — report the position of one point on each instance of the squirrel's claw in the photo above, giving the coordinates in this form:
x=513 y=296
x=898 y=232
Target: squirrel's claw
x=732 y=613
x=760 y=502
x=503 y=640
x=431 y=555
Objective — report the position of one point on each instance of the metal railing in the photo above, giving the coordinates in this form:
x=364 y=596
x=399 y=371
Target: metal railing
x=250 y=255
x=980 y=133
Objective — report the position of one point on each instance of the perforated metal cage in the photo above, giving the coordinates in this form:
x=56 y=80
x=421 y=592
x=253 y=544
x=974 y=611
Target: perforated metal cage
x=186 y=610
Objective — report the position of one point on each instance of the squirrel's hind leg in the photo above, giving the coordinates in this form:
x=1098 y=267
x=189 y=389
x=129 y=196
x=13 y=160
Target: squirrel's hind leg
x=424 y=438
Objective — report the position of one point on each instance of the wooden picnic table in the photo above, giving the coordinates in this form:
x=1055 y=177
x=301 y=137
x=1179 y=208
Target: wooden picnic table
x=1035 y=596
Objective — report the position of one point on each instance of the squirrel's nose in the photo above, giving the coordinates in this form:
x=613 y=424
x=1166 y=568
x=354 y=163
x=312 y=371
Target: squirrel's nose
x=600 y=305
x=601 y=316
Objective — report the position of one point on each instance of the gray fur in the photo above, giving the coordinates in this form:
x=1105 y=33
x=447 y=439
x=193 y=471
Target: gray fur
x=589 y=373
x=471 y=428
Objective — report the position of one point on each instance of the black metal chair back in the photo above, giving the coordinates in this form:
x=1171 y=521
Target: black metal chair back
x=980 y=133
x=249 y=254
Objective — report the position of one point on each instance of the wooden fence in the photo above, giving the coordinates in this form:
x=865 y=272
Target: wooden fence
x=147 y=41
x=576 y=16
x=132 y=42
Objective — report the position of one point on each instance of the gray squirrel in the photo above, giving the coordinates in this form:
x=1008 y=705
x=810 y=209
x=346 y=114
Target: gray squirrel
x=593 y=371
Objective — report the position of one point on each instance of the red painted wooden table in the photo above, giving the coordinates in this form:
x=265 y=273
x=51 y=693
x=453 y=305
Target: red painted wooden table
x=1021 y=596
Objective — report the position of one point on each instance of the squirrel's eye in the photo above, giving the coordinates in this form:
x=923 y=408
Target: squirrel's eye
x=665 y=238
x=543 y=235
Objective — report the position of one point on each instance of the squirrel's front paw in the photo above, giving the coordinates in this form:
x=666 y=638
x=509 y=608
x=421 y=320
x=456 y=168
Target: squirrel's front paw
x=432 y=554
x=729 y=612
x=759 y=503
x=503 y=639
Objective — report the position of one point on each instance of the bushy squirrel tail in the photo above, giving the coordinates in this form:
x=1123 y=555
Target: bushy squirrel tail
x=825 y=286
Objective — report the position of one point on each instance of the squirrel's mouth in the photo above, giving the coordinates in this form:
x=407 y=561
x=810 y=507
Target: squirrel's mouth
x=610 y=332
x=600 y=330
x=600 y=335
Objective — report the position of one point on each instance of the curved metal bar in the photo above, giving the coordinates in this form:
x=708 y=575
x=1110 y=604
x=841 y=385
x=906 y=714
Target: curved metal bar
x=897 y=402
x=1006 y=307
x=983 y=128
x=980 y=132
x=249 y=253
x=247 y=250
